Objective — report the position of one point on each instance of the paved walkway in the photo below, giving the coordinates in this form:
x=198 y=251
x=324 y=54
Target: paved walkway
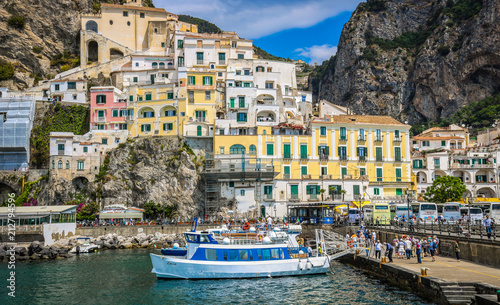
x=450 y=270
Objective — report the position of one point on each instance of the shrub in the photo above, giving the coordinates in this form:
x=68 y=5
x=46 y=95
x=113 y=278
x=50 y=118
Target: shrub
x=17 y=22
x=6 y=70
x=37 y=50
x=65 y=68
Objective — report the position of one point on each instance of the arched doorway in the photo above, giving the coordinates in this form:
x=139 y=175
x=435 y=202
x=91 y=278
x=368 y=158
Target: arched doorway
x=91 y=25
x=263 y=210
x=114 y=54
x=93 y=51
x=5 y=190
x=79 y=183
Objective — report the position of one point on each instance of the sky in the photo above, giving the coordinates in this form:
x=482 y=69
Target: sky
x=298 y=29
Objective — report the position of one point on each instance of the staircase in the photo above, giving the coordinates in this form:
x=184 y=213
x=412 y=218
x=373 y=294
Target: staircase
x=458 y=293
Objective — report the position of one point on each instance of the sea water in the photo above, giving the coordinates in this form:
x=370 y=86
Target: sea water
x=124 y=277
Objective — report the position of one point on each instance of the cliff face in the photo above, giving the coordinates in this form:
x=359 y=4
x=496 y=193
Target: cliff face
x=415 y=60
x=162 y=170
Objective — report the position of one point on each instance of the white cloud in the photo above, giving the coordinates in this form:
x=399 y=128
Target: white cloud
x=317 y=54
x=259 y=18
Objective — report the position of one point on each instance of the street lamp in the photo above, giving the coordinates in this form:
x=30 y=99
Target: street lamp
x=409 y=195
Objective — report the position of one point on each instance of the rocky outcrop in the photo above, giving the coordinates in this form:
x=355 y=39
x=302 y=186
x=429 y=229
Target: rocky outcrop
x=415 y=60
x=163 y=170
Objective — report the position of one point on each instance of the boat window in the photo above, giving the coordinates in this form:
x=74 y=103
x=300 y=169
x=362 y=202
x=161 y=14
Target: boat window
x=243 y=255
x=211 y=254
x=259 y=254
x=266 y=254
x=192 y=238
x=275 y=254
x=204 y=239
x=225 y=255
x=233 y=255
x=251 y=255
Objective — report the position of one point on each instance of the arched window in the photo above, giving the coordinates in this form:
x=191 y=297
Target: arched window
x=53 y=164
x=237 y=149
x=67 y=164
x=91 y=25
x=162 y=65
x=155 y=65
x=59 y=164
x=264 y=131
x=253 y=150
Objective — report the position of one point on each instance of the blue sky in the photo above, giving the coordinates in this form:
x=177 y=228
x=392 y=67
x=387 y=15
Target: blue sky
x=299 y=29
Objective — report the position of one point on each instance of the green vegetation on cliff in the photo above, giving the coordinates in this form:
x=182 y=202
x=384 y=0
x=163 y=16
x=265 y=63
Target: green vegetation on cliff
x=6 y=70
x=264 y=55
x=203 y=25
x=17 y=22
x=58 y=118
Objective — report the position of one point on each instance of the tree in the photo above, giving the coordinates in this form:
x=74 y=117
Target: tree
x=446 y=188
x=152 y=210
x=322 y=191
x=88 y=211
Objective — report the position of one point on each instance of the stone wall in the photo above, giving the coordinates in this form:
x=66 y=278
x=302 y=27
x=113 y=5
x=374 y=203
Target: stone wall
x=127 y=231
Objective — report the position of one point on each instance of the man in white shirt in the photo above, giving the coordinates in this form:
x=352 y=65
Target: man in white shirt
x=408 y=248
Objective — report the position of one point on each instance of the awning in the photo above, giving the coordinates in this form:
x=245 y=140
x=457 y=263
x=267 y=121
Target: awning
x=133 y=215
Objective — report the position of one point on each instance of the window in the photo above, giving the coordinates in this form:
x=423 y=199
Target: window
x=324 y=170
x=378 y=135
x=222 y=58
x=170 y=95
x=199 y=58
x=303 y=170
x=154 y=65
x=396 y=133
x=342 y=150
x=286 y=170
x=343 y=171
x=156 y=30
x=170 y=112
x=343 y=133
x=71 y=85
x=67 y=164
x=443 y=143
x=376 y=191
x=145 y=127
x=323 y=152
x=148 y=114
x=80 y=165
x=115 y=113
x=142 y=15
x=268 y=189
x=125 y=14
x=162 y=45
x=269 y=69
x=425 y=143
x=180 y=61
x=231 y=102
x=253 y=149
x=241 y=56
x=104 y=141
x=436 y=163
x=234 y=44
x=287 y=151
x=241 y=117
x=53 y=165
x=100 y=113
x=128 y=23
x=237 y=149
x=362 y=134
x=246 y=72
x=379 y=174
x=180 y=44
x=241 y=101
x=334 y=189
x=207 y=81
x=191 y=80
x=397 y=153
x=74 y=96
x=378 y=153
x=168 y=126
x=398 y=175
x=323 y=131
x=231 y=184
x=259 y=69
x=60 y=147
x=303 y=151
x=123 y=126
x=59 y=164
x=211 y=254
x=269 y=85
x=312 y=189
x=238 y=72
x=101 y=99
x=399 y=192
x=417 y=163
x=362 y=171
x=355 y=190
x=85 y=149
x=207 y=95
x=56 y=87
x=101 y=127
x=91 y=25
x=200 y=115
x=242 y=192
x=270 y=150
x=136 y=79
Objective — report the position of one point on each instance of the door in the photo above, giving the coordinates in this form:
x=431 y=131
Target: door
x=263 y=211
x=198 y=131
x=153 y=78
x=286 y=151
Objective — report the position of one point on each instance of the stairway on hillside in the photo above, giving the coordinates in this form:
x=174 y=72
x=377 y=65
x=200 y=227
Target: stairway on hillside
x=458 y=293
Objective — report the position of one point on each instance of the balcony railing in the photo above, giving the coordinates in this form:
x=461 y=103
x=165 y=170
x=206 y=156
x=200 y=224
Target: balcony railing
x=362 y=158
x=101 y=119
x=294 y=197
x=379 y=139
x=458 y=165
x=379 y=159
x=326 y=177
x=437 y=166
x=397 y=140
x=287 y=156
x=268 y=197
x=241 y=106
x=60 y=152
x=199 y=61
x=286 y=176
x=323 y=156
x=397 y=158
x=343 y=139
x=343 y=157
x=306 y=176
x=129 y=118
x=303 y=157
x=313 y=197
x=200 y=119
x=361 y=138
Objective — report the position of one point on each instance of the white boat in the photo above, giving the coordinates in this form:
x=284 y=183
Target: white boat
x=84 y=246
x=240 y=255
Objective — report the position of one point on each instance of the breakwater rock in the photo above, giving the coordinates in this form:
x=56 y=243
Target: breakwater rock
x=33 y=252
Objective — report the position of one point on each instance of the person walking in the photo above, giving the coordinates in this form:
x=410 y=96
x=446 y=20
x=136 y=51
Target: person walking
x=389 y=250
x=487 y=225
x=457 y=250
x=418 y=247
x=432 y=248
x=378 y=249
x=408 y=248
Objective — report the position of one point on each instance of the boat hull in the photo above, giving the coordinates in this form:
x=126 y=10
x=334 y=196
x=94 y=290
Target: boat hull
x=175 y=268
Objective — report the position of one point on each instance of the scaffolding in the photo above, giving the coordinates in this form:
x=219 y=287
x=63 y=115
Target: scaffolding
x=231 y=168
x=16 y=122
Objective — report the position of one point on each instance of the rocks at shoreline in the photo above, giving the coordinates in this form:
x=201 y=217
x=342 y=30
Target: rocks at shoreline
x=110 y=241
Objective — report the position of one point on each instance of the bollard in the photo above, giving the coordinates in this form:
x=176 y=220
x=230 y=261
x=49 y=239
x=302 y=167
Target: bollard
x=357 y=252
x=368 y=252
x=498 y=295
x=383 y=260
x=423 y=271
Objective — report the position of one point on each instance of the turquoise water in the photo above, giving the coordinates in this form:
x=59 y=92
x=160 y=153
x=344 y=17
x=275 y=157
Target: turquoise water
x=124 y=277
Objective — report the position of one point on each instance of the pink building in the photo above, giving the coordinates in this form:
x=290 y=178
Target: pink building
x=107 y=109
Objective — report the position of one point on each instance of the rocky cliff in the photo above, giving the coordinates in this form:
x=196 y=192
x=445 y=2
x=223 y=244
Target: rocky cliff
x=162 y=170
x=414 y=59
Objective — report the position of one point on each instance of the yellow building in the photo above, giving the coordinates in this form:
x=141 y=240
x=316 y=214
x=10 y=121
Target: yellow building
x=201 y=103
x=364 y=156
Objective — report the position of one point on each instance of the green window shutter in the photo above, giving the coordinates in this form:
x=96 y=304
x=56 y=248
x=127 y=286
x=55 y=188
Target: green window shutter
x=399 y=192
x=323 y=131
x=355 y=189
x=308 y=190
x=328 y=150
x=287 y=170
x=232 y=102
x=203 y=79
x=303 y=150
x=317 y=189
x=115 y=112
x=131 y=98
x=294 y=189
x=211 y=81
x=344 y=171
x=304 y=170
x=142 y=128
x=376 y=191
x=270 y=149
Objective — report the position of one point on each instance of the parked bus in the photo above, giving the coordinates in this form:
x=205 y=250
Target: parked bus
x=354 y=215
x=495 y=212
x=400 y=210
x=476 y=214
x=367 y=212
x=381 y=213
x=451 y=211
x=425 y=211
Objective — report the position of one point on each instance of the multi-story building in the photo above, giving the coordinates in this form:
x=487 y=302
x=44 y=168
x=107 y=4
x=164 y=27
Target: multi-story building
x=108 y=109
x=67 y=90
x=368 y=157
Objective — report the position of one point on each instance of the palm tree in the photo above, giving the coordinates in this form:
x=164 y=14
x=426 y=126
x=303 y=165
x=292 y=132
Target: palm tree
x=343 y=192
x=321 y=191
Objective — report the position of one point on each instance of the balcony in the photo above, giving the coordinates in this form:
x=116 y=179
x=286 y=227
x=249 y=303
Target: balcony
x=305 y=177
x=240 y=106
x=343 y=139
x=379 y=139
x=287 y=156
x=397 y=140
x=60 y=152
x=397 y=158
x=379 y=159
x=326 y=177
x=286 y=176
x=437 y=166
x=129 y=118
x=458 y=165
x=362 y=158
x=361 y=138
x=313 y=197
x=304 y=157
x=268 y=197
x=200 y=119
x=294 y=197
x=323 y=157
x=343 y=157
x=199 y=61
x=101 y=119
